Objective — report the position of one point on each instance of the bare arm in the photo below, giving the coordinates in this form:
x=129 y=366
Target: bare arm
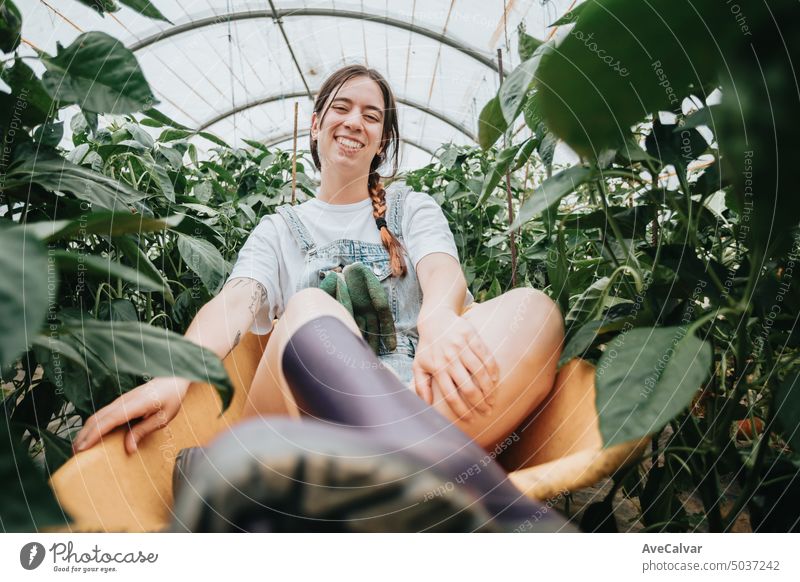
x=221 y=323
x=450 y=356
x=443 y=286
x=218 y=326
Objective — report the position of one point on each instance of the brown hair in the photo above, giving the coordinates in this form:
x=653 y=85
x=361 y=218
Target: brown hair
x=389 y=143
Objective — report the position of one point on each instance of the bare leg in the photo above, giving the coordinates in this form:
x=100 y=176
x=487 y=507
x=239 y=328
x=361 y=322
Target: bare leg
x=524 y=330
x=269 y=393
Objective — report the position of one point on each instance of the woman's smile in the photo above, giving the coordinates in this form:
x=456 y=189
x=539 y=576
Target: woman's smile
x=349 y=146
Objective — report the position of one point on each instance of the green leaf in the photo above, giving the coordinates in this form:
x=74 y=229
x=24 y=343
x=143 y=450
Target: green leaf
x=141 y=349
x=57 y=450
x=117 y=310
x=204 y=260
x=571 y=16
x=102 y=223
x=645 y=378
x=496 y=173
x=163 y=119
x=54 y=173
x=516 y=86
x=26 y=289
x=72 y=262
x=673 y=144
x=586 y=305
x=28 y=502
x=143 y=264
x=525 y=153
x=101 y=6
x=787 y=408
x=214 y=139
x=527 y=43
x=145 y=8
x=622 y=61
x=10 y=26
x=49 y=133
x=551 y=191
x=491 y=123
x=26 y=88
x=98 y=73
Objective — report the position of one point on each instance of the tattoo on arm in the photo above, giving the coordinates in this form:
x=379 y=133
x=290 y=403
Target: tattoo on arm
x=258 y=298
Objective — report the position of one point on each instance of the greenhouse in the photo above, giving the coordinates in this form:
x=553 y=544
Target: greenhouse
x=446 y=266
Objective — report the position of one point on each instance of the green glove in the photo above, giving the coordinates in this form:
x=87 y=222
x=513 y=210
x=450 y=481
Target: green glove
x=334 y=285
x=371 y=308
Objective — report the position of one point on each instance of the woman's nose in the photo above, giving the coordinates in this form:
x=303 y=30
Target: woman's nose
x=353 y=121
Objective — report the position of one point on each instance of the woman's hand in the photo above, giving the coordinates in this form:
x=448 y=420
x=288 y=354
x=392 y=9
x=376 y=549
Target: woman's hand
x=156 y=402
x=452 y=356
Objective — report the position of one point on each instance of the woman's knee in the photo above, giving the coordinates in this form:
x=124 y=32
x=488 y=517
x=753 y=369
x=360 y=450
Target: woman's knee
x=310 y=303
x=535 y=316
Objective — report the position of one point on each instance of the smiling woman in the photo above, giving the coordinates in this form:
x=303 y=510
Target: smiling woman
x=363 y=262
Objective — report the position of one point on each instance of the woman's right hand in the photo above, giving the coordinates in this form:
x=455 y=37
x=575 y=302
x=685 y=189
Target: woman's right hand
x=155 y=402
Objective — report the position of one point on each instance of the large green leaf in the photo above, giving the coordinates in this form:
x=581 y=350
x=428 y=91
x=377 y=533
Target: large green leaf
x=28 y=504
x=570 y=16
x=106 y=269
x=148 y=350
x=515 y=88
x=645 y=378
x=98 y=73
x=29 y=99
x=10 y=26
x=103 y=223
x=26 y=288
x=145 y=8
x=54 y=173
x=624 y=60
x=204 y=260
x=491 y=123
x=551 y=191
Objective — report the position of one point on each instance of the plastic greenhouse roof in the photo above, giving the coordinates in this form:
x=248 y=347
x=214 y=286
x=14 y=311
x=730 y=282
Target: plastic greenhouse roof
x=226 y=66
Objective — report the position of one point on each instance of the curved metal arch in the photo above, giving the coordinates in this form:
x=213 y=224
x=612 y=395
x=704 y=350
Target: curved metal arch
x=279 y=14
x=272 y=98
x=287 y=136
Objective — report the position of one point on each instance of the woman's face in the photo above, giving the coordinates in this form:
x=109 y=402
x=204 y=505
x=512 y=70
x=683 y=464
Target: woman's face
x=351 y=132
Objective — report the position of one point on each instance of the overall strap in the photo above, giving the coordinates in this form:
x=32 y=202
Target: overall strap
x=396 y=203
x=301 y=234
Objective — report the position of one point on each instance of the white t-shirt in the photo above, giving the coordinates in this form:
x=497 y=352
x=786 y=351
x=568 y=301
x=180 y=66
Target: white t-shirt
x=272 y=256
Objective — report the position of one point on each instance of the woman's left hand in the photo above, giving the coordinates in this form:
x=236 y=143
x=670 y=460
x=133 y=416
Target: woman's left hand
x=452 y=356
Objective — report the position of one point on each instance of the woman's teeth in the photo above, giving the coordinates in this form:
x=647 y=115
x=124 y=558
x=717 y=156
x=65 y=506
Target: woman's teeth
x=348 y=143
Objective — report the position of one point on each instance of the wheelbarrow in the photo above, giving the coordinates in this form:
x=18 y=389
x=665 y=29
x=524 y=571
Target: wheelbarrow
x=104 y=489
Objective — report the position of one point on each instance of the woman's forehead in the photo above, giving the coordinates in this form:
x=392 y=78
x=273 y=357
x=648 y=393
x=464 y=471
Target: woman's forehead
x=361 y=90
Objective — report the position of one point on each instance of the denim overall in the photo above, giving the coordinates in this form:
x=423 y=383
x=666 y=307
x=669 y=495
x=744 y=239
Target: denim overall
x=405 y=295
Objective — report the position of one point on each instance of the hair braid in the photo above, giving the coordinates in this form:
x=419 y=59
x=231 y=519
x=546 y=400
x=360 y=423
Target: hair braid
x=377 y=194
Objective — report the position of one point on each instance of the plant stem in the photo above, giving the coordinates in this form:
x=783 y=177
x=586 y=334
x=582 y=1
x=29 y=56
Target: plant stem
x=614 y=226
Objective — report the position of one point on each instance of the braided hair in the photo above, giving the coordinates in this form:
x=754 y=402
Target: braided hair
x=389 y=149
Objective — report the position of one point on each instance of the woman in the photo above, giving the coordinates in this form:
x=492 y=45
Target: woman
x=484 y=367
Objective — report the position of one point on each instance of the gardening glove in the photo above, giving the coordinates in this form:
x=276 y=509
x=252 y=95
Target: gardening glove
x=371 y=308
x=334 y=285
